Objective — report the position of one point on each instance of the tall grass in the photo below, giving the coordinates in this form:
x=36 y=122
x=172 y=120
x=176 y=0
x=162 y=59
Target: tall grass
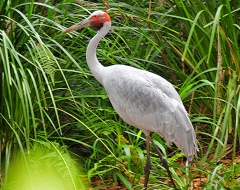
x=33 y=78
x=212 y=51
x=48 y=93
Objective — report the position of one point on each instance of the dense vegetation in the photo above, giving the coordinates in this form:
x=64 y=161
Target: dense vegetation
x=49 y=97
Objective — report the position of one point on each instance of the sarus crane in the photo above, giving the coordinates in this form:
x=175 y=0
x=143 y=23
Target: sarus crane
x=141 y=98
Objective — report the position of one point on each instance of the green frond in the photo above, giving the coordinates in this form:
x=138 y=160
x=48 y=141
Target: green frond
x=47 y=60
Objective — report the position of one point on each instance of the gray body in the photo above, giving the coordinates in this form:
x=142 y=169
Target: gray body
x=150 y=103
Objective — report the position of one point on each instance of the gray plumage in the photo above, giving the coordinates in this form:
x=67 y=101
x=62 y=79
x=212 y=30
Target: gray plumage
x=150 y=103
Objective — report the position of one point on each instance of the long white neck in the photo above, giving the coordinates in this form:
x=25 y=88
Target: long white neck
x=94 y=65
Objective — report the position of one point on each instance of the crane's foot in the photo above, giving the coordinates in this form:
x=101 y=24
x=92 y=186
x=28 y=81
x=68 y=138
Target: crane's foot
x=164 y=162
x=147 y=169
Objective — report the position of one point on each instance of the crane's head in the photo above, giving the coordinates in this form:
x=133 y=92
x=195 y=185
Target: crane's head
x=96 y=21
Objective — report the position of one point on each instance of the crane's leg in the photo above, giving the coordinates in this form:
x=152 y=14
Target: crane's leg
x=148 y=166
x=163 y=160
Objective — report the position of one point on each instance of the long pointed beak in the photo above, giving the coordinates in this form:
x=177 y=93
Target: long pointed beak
x=78 y=26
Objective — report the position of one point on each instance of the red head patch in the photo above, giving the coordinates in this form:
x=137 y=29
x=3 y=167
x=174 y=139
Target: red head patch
x=98 y=18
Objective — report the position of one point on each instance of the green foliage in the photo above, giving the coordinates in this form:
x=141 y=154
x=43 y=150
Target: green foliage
x=48 y=93
x=212 y=46
x=45 y=166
